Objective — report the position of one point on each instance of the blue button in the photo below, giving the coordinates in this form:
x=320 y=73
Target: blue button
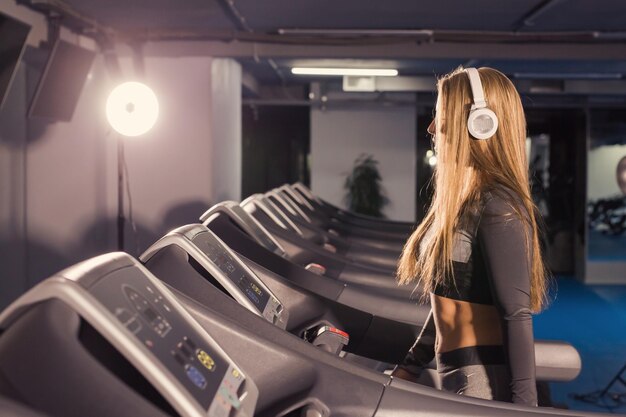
x=195 y=376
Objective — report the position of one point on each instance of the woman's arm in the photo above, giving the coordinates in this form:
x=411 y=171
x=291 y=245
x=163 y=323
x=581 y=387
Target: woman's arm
x=502 y=236
x=421 y=354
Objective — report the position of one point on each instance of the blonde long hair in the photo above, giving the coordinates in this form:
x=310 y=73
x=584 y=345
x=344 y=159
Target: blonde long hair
x=465 y=169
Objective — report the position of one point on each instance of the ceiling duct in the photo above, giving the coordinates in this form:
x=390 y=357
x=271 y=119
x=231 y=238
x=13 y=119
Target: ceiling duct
x=355 y=33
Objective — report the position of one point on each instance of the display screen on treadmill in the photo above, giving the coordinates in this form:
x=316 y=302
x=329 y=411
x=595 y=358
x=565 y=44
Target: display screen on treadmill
x=260 y=234
x=229 y=266
x=254 y=293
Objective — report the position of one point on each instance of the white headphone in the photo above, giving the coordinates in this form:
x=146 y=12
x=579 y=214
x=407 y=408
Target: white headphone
x=482 y=122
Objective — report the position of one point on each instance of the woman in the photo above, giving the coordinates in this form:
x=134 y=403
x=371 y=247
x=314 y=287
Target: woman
x=476 y=253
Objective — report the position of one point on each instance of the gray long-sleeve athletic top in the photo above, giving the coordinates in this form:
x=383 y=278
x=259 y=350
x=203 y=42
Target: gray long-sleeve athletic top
x=491 y=266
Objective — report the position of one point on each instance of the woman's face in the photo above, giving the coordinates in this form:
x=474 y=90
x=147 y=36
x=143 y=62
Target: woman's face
x=432 y=127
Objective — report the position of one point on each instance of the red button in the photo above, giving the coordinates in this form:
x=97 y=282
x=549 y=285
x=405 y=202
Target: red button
x=339 y=332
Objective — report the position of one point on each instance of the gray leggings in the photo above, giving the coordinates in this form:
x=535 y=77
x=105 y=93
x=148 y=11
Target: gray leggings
x=490 y=382
x=475 y=371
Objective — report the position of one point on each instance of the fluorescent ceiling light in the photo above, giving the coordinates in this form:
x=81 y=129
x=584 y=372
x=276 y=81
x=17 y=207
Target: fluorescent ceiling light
x=360 y=72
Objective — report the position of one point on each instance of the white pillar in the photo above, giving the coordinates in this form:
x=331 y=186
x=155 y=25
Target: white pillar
x=225 y=129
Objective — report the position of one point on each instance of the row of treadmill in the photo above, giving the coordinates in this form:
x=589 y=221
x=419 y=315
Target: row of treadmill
x=281 y=305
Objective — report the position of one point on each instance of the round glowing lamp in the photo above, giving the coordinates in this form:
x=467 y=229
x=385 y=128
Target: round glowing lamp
x=132 y=108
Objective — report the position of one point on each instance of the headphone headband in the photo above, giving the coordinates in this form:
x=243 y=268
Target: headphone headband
x=477 y=88
x=482 y=122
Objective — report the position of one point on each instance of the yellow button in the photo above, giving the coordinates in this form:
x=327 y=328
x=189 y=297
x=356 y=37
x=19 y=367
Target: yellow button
x=206 y=360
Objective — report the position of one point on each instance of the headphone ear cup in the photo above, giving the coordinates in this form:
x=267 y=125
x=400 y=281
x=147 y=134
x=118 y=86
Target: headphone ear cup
x=482 y=123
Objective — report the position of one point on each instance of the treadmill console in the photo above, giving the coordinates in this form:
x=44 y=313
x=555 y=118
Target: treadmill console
x=262 y=236
x=245 y=281
x=200 y=366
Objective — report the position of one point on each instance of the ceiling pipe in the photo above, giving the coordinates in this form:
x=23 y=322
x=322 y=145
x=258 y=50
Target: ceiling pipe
x=336 y=102
x=234 y=15
x=439 y=36
x=529 y=19
x=426 y=34
x=276 y=69
x=240 y=22
x=612 y=36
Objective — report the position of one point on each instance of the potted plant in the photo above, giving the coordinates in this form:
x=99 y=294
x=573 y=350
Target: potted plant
x=364 y=191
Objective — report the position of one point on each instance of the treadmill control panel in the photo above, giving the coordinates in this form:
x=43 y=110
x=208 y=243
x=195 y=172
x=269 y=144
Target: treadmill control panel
x=244 y=281
x=259 y=234
x=199 y=366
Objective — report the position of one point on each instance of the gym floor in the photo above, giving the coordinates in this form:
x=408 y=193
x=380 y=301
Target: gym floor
x=593 y=319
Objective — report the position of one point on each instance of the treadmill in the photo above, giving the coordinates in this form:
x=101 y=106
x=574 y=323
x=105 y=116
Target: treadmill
x=268 y=213
x=284 y=200
x=306 y=197
x=309 y=255
x=11 y=408
x=195 y=262
x=300 y=379
x=73 y=329
x=379 y=237
x=246 y=236
x=106 y=338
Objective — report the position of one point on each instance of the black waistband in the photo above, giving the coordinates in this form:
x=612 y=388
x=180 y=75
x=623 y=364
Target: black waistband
x=470 y=355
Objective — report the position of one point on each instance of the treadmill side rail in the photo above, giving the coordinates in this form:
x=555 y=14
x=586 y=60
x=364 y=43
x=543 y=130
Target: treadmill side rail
x=245 y=221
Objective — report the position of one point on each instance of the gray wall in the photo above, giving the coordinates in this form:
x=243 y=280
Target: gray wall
x=12 y=193
x=169 y=167
x=339 y=136
x=58 y=187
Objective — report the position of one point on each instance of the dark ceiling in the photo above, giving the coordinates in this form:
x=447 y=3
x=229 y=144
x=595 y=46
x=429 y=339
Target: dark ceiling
x=271 y=15
x=469 y=21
